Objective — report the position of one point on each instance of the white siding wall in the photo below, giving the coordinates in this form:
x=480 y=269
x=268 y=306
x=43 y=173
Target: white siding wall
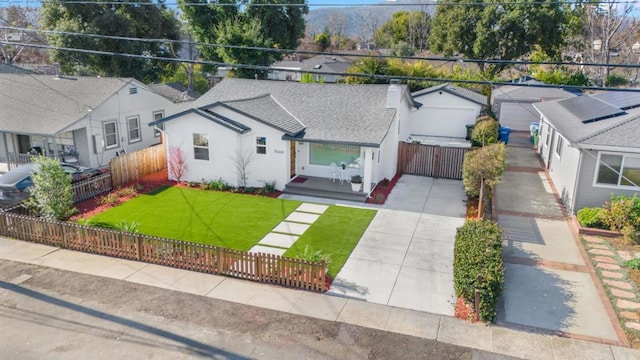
x=442 y=114
x=225 y=146
x=563 y=170
x=119 y=107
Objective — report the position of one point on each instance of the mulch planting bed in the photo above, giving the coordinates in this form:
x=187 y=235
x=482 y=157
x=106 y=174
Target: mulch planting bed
x=381 y=192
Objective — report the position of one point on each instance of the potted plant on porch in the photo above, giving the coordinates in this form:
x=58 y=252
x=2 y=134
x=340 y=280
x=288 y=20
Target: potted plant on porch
x=356 y=183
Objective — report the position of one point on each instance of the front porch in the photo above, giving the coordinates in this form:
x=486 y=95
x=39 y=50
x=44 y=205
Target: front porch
x=323 y=187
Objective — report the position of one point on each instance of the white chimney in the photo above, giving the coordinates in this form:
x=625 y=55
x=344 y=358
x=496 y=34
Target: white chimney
x=394 y=94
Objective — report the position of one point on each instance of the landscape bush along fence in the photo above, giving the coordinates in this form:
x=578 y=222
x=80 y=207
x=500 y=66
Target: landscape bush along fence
x=265 y=268
x=132 y=166
x=92 y=187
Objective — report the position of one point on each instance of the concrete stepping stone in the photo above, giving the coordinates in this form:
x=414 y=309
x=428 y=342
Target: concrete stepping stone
x=605 y=259
x=593 y=239
x=267 y=250
x=278 y=240
x=633 y=325
x=619 y=284
x=630 y=315
x=622 y=294
x=612 y=274
x=599 y=246
x=302 y=217
x=291 y=228
x=626 y=304
x=608 y=266
x=601 y=252
x=312 y=208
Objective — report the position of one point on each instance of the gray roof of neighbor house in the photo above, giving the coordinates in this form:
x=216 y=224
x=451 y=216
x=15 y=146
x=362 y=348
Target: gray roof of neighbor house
x=174 y=92
x=318 y=63
x=11 y=69
x=354 y=114
x=454 y=90
x=46 y=104
x=615 y=130
x=620 y=99
x=534 y=93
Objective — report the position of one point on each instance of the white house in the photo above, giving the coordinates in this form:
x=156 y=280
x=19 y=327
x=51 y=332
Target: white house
x=589 y=144
x=87 y=120
x=322 y=67
x=281 y=130
x=444 y=113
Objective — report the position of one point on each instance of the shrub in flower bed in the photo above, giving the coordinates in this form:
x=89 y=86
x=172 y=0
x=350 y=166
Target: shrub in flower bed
x=477 y=264
x=591 y=218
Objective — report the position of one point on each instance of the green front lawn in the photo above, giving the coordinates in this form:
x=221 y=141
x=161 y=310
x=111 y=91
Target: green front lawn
x=208 y=217
x=238 y=221
x=335 y=233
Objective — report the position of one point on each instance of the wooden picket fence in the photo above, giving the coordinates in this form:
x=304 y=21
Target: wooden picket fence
x=92 y=187
x=431 y=160
x=265 y=268
x=129 y=167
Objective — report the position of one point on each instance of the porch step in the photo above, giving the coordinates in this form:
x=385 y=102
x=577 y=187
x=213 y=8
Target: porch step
x=353 y=196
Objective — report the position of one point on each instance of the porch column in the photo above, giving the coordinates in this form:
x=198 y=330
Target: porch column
x=367 y=169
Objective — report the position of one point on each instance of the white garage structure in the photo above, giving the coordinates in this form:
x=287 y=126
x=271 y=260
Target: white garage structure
x=445 y=112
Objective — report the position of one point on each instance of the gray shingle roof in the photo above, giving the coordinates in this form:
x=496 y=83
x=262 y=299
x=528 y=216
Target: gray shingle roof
x=455 y=90
x=266 y=109
x=45 y=105
x=174 y=92
x=613 y=131
x=330 y=112
x=524 y=92
x=621 y=99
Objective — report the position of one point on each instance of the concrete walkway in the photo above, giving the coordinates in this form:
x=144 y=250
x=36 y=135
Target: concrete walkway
x=445 y=329
x=548 y=285
x=405 y=256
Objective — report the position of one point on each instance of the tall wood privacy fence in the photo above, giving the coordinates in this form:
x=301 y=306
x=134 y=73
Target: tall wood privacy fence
x=129 y=167
x=265 y=268
x=431 y=160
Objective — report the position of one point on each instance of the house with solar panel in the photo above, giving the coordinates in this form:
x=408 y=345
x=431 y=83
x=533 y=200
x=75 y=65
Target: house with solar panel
x=590 y=146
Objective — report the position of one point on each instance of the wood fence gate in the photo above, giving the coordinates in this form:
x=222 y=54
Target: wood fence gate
x=431 y=160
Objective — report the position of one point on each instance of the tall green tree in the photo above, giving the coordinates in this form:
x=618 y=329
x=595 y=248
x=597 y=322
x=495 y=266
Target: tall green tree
x=412 y=28
x=202 y=21
x=282 y=25
x=497 y=29
x=121 y=19
x=247 y=33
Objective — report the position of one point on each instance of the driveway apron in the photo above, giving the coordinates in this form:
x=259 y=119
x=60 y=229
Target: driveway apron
x=405 y=256
x=548 y=286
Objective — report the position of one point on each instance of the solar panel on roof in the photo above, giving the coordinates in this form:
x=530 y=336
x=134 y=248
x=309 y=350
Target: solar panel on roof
x=622 y=99
x=588 y=109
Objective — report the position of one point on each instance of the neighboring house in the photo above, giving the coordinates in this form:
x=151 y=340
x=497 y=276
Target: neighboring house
x=281 y=129
x=513 y=104
x=589 y=144
x=87 y=120
x=319 y=66
x=174 y=92
x=444 y=113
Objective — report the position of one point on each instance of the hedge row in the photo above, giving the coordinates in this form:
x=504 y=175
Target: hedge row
x=478 y=253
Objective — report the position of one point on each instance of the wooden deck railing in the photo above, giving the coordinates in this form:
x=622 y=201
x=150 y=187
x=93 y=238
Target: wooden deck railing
x=265 y=268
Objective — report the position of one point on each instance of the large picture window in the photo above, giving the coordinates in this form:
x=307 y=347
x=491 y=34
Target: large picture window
x=110 y=130
x=201 y=146
x=133 y=126
x=618 y=170
x=327 y=154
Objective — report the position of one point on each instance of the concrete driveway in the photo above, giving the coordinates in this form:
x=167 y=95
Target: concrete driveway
x=405 y=256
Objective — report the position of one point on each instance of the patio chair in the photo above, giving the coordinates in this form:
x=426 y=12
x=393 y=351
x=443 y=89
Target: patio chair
x=335 y=172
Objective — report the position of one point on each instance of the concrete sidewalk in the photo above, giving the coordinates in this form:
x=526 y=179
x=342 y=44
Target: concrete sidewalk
x=420 y=324
x=548 y=285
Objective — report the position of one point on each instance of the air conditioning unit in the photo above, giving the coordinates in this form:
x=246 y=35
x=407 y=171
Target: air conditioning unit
x=15 y=37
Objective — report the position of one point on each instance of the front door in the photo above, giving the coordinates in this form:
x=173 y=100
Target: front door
x=24 y=144
x=292 y=159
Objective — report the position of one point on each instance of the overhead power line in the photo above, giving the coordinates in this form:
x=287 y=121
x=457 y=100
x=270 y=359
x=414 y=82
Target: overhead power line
x=310 y=52
x=267 y=68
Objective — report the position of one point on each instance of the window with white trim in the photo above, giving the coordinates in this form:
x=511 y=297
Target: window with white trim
x=200 y=146
x=559 y=145
x=157 y=115
x=261 y=145
x=133 y=127
x=549 y=135
x=110 y=130
x=618 y=170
